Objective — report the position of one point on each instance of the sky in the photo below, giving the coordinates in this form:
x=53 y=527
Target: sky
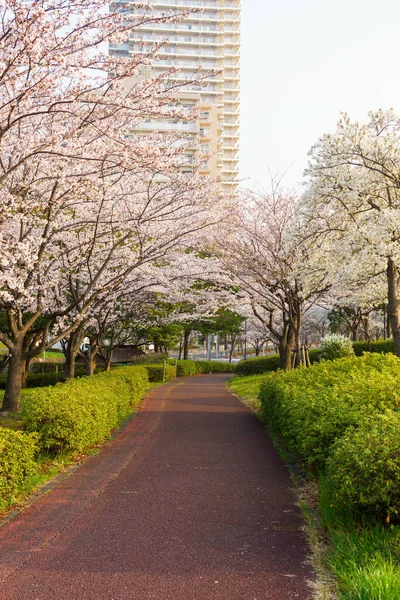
x=303 y=62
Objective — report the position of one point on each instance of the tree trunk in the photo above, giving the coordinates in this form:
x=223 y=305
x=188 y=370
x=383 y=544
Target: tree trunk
x=90 y=364
x=298 y=360
x=285 y=356
x=72 y=349
x=186 y=335
x=107 y=362
x=394 y=304
x=14 y=381
x=232 y=347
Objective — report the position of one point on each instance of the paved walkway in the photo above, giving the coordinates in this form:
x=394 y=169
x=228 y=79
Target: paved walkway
x=189 y=502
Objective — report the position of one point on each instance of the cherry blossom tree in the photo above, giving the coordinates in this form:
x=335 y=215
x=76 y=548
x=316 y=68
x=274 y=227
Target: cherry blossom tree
x=264 y=256
x=64 y=262
x=354 y=202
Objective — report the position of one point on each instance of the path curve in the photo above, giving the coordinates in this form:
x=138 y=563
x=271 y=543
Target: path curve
x=189 y=502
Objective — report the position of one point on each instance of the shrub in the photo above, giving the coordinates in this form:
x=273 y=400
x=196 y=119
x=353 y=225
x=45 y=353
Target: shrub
x=17 y=451
x=364 y=467
x=258 y=365
x=381 y=346
x=157 y=374
x=335 y=346
x=45 y=379
x=313 y=407
x=214 y=366
x=185 y=368
x=45 y=367
x=148 y=359
x=268 y=364
x=80 y=413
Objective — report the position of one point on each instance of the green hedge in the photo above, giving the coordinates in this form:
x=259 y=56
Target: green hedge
x=324 y=414
x=17 y=451
x=381 y=346
x=45 y=379
x=258 y=365
x=185 y=368
x=268 y=364
x=149 y=359
x=214 y=366
x=80 y=413
x=156 y=372
x=364 y=466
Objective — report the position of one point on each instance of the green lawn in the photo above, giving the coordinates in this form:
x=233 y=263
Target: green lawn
x=247 y=388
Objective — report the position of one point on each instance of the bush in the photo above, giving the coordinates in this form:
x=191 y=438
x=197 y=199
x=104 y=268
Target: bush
x=185 y=368
x=214 y=366
x=46 y=367
x=364 y=467
x=45 y=379
x=268 y=364
x=336 y=346
x=80 y=413
x=17 y=451
x=156 y=372
x=381 y=346
x=258 y=365
x=148 y=359
x=313 y=407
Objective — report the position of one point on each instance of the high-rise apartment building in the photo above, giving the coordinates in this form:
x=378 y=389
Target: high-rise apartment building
x=210 y=39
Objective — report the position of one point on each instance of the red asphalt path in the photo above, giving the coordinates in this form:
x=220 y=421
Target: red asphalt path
x=189 y=502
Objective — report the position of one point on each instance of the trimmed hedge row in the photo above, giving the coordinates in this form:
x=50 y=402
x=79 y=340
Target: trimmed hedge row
x=80 y=413
x=186 y=368
x=342 y=417
x=147 y=359
x=45 y=379
x=17 y=451
x=381 y=346
x=211 y=366
x=157 y=374
x=268 y=364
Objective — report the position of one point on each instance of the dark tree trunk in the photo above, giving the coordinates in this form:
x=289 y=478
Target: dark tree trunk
x=285 y=356
x=107 y=362
x=90 y=364
x=394 y=304
x=232 y=347
x=186 y=336
x=298 y=355
x=71 y=351
x=285 y=347
x=14 y=381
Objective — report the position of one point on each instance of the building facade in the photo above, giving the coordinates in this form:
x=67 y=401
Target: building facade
x=209 y=39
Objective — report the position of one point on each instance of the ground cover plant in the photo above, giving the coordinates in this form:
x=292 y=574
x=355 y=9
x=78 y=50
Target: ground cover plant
x=341 y=420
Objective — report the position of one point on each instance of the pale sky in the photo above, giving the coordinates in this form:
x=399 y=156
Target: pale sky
x=303 y=62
